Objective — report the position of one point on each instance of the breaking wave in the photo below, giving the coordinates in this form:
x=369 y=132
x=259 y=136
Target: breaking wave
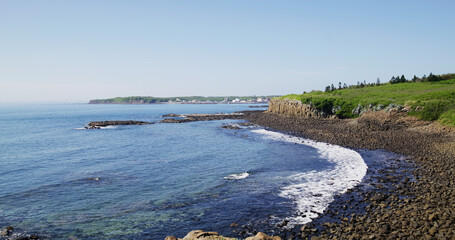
x=313 y=191
x=237 y=176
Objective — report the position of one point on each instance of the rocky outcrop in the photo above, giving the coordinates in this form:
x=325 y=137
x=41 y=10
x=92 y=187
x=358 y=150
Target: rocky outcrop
x=201 y=235
x=183 y=118
x=296 y=108
x=99 y=124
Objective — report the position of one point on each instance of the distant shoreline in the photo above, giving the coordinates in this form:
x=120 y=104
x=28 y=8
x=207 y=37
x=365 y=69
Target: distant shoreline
x=196 y=103
x=185 y=100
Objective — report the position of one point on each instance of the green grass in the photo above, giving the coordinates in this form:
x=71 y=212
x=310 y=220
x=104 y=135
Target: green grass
x=448 y=117
x=428 y=100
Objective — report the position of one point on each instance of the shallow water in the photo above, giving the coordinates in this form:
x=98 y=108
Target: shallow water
x=149 y=181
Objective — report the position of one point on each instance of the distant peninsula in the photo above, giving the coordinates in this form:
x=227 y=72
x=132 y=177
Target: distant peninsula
x=183 y=100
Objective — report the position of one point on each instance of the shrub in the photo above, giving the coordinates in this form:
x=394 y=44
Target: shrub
x=432 y=110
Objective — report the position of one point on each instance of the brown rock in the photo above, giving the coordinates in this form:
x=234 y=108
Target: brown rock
x=170 y=238
x=433 y=217
x=263 y=236
x=202 y=235
x=385 y=229
x=433 y=230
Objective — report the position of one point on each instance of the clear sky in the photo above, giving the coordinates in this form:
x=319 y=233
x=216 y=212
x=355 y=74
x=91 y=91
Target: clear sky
x=77 y=50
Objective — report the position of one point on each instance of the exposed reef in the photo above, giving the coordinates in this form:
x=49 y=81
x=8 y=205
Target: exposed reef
x=173 y=118
x=100 y=124
x=182 y=118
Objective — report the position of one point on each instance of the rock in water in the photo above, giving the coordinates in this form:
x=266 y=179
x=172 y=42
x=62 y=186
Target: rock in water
x=6 y=231
x=234 y=224
x=99 y=124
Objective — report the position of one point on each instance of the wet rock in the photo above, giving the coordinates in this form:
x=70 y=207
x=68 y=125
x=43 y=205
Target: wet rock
x=172 y=115
x=6 y=231
x=99 y=124
x=283 y=224
x=378 y=198
x=173 y=120
x=230 y=127
x=205 y=117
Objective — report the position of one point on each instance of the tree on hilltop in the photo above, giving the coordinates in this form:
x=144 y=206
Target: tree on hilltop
x=402 y=79
x=327 y=88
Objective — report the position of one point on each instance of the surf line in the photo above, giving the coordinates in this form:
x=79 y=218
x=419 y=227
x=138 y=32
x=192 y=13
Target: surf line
x=313 y=191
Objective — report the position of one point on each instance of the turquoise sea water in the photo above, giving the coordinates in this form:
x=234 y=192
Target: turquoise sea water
x=150 y=181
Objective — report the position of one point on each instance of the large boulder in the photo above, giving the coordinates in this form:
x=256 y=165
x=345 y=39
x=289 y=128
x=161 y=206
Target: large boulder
x=202 y=235
x=263 y=236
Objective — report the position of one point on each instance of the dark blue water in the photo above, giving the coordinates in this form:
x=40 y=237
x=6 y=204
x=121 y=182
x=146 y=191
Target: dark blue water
x=141 y=182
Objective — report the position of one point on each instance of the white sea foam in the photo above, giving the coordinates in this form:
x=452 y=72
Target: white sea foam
x=313 y=191
x=237 y=176
x=101 y=127
x=109 y=127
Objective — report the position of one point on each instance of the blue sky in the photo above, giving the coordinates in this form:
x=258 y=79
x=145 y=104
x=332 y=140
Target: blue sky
x=73 y=51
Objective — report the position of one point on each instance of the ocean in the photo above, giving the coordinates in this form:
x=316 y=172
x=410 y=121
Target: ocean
x=150 y=181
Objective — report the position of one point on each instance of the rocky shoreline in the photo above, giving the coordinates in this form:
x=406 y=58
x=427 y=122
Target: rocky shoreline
x=418 y=206
x=409 y=196
x=394 y=201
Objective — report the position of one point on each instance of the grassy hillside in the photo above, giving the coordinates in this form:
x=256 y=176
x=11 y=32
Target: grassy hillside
x=427 y=100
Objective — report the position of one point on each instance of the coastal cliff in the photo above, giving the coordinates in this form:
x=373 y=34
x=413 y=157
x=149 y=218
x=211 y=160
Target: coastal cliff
x=296 y=108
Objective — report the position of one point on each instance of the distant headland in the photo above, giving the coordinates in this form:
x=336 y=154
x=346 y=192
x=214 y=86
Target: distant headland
x=184 y=100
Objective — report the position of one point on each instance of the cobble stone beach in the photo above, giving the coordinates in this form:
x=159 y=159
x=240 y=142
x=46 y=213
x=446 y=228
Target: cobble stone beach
x=422 y=205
